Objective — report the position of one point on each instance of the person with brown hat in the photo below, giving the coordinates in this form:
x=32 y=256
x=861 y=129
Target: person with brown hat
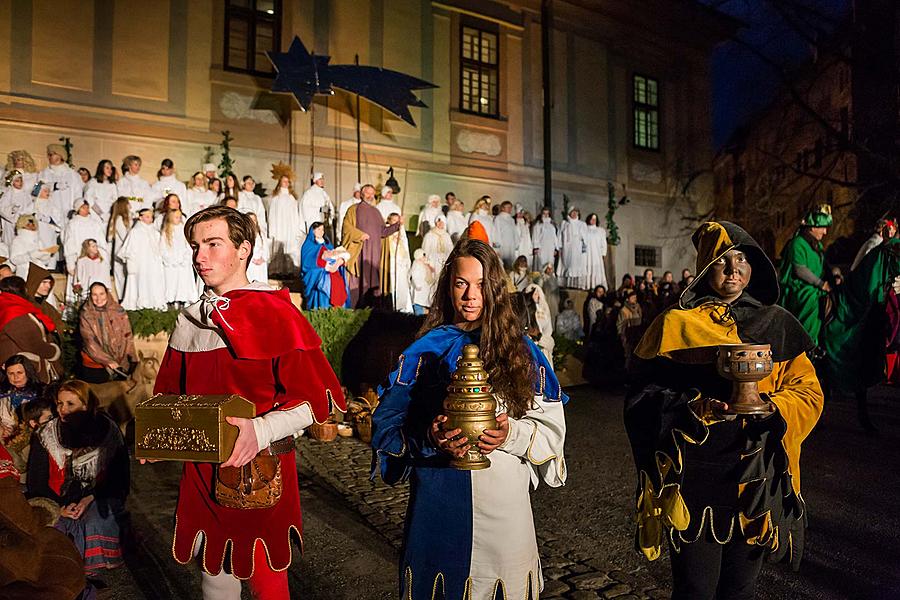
x=64 y=181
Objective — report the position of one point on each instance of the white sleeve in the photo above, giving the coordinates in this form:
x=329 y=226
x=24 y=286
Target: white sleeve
x=539 y=438
x=277 y=424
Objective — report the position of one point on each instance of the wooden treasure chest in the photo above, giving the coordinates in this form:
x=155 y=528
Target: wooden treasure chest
x=188 y=428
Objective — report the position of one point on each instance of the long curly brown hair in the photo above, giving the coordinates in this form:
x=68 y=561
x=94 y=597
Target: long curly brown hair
x=503 y=348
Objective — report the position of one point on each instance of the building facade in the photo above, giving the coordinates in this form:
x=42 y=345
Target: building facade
x=163 y=79
x=792 y=156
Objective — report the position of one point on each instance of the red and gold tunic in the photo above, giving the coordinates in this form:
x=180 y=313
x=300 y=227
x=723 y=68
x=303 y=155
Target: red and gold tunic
x=253 y=342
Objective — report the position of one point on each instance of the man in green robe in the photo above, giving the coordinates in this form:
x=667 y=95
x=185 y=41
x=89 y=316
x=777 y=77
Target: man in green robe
x=803 y=273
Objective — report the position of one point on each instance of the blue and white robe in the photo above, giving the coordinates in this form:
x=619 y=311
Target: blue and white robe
x=468 y=533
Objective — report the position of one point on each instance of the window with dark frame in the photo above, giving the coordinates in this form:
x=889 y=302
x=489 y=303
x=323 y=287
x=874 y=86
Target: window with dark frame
x=645 y=98
x=479 y=72
x=648 y=256
x=252 y=28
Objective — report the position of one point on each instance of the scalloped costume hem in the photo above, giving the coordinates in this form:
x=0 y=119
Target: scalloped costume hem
x=667 y=510
x=532 y=590
x=228 y=550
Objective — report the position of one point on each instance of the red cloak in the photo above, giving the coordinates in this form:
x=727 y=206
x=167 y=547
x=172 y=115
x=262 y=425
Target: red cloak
x=273 y=357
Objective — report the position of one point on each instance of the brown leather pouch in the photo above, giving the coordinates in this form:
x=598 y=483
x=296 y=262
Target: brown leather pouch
x=257 y=484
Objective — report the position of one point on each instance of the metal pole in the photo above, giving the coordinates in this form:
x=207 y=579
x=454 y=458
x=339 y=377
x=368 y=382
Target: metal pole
x=358 y=142
x=546 y=21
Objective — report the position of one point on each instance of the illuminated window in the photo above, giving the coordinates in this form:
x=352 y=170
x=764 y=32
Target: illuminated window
x=252 y=28
x=645 y=99
x=479 y=72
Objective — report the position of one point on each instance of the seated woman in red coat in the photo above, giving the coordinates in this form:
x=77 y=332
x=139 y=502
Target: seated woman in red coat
x=322 y=271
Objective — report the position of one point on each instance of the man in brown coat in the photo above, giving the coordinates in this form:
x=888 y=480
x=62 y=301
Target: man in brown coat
x=362 y=231
x=36 y=562
x=25 y=330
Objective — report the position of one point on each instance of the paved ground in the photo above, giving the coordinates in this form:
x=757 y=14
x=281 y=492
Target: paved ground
x=353 y=526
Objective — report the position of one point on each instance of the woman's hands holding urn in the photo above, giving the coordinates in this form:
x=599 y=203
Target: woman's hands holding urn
x=447 y=441
x=492 y=439
x=452 y=443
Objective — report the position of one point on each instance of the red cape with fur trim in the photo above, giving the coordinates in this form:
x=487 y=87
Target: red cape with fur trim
x=273 y=357
x=12 y=306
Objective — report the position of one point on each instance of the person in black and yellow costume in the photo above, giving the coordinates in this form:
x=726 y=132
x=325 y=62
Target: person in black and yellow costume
x=723 y=490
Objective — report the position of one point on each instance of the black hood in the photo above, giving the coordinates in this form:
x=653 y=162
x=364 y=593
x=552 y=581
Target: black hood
x=712 y=240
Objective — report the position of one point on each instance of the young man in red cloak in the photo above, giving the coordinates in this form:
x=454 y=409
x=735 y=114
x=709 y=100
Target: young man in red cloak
x=246 y=339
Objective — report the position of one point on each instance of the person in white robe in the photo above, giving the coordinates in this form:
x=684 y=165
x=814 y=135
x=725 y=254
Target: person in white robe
x=21 y=160
x=116 y=231
x=84 y=225
x=544 y=318
x=89 y=269
x=285 y=229
x=437 y=244
x=482 y=213
x=210 y=173
x=51 y=219
x=550 y=285
x=249 y=202
x=429 y=213
x=101 y=191
x=231 y=188
x=457 y=220
x=596 y=250
x=65 y=183
x=400 y=263
x=315 y=204
x=258 y=267
x=523 y=225
x=170 y=202
x=387 y=206
x=345 y=206
x=177 y=259
x=144 y=285
x=26 y=248
x=545 y=239
x=506 y=235
x=15 y=201
x=573 y=257
x=132 y=186
x=422 y=281
x=520 y=274
x=199 y=196
x=167 y=183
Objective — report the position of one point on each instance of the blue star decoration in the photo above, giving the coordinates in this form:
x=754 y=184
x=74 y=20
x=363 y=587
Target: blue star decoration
x=305 y=75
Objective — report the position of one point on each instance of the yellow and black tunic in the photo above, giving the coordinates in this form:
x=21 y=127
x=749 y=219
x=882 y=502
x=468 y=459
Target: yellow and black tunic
x=700 y=475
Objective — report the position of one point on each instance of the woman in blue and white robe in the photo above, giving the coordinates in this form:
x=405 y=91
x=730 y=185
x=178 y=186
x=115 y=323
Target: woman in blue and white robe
x=470 y=534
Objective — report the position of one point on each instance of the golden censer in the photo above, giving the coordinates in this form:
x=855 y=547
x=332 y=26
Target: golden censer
x=470 y=406
x=745 y=365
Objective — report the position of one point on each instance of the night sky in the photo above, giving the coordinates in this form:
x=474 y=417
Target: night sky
x=742 y=83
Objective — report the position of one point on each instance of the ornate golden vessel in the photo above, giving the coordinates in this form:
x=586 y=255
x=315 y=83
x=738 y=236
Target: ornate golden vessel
x=188 y=428
x=745 y=365
x=470 y=406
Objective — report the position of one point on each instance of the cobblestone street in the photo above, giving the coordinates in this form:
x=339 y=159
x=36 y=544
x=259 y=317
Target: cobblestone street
x=353 y=526
x=585 y=531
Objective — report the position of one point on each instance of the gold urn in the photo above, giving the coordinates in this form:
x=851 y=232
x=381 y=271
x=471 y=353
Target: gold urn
x=470 y=406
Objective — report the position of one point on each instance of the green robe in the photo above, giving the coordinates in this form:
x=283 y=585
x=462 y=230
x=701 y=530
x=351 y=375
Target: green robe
x=854 y=340
x=800 y=298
